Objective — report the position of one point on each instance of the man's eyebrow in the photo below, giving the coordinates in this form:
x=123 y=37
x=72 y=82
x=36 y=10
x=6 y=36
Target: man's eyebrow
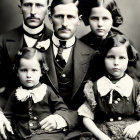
x=39 y=3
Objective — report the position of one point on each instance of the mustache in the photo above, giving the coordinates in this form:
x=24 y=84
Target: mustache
x=63 y=28
x=32 y=17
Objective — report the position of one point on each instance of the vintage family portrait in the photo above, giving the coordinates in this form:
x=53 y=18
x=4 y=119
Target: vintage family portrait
x=69 y=70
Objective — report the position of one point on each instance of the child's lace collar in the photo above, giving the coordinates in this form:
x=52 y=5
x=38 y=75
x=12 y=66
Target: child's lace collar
x=37 y=93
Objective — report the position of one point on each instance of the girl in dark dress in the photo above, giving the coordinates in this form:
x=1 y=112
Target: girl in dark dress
x=103 y=17
x=112 y=107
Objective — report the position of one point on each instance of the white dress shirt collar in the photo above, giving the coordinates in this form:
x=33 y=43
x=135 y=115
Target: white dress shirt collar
x=35 y=30
x=69 y=42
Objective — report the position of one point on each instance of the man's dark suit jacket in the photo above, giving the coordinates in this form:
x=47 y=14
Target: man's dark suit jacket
x=83 y=57
x=83 y=68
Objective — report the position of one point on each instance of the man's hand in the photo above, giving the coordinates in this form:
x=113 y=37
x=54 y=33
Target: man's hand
x=4 y=125
x=48 y=123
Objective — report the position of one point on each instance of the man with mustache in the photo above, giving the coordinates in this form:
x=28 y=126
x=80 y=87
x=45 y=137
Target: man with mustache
x=68 y=58
x=32 y=31
x=67 y=78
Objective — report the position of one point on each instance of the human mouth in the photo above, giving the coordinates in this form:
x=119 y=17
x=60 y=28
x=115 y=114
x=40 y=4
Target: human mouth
x=32 y=18
x=64 y=30
x=100 y=30
x=115 y=69
x=29 y=81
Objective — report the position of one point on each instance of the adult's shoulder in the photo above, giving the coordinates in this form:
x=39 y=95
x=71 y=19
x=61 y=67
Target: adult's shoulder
x=116 y=31
x=48 y=32
x=87 y=38
x=84 y=47
x=12 y=33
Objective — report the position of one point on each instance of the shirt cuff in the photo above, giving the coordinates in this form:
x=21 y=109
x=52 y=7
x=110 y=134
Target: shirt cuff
x=60 y=121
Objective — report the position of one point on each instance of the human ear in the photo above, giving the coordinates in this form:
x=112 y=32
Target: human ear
x=41 y=74
x=50 y=18
x=49 y=15
x=20 y=8
x=76 y=3
x=80 y=19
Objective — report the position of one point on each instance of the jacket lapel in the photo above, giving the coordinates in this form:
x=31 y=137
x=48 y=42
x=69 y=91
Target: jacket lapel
x=14 y=42
x=82 y=56
x=52 y=72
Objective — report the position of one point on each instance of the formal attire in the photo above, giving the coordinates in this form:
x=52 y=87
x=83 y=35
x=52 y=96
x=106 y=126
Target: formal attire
x=27 y=107
x=68 y=81
x=10 y=43
x=91 y=40
x=115 y=105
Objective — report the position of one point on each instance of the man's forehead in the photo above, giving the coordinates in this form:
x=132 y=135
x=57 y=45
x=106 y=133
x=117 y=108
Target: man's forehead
x=35 y=1
x=66 y=8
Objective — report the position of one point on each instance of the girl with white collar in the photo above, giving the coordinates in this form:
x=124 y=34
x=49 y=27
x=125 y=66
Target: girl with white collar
x=34 y=101
x=112 y=107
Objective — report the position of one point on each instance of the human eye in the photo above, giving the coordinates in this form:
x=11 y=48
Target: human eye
x=70 y=17
x=105 y=18
x=93 y=18
x=39 y=5
x=23 y=70
x=122 y=57
x=58 y=16
x=27 y=4
x=110 y=57
x=34 y=70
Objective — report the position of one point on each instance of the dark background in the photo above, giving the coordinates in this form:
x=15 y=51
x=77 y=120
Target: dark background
x=10 y=17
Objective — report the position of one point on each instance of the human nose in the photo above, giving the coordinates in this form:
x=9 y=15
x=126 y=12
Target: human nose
x=33 y=10
x=28 y=74
x=116 y=61
x=65 y=21
x=100 y=22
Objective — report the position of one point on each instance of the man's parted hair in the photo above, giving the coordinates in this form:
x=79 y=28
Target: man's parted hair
x=58 y=2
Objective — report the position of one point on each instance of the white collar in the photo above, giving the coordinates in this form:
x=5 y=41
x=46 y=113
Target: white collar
x=124 y=86
x=37 y=93
x=35 y=30
x=69 y=42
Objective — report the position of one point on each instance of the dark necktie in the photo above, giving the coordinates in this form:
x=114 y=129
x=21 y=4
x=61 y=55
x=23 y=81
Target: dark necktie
x=59 y=58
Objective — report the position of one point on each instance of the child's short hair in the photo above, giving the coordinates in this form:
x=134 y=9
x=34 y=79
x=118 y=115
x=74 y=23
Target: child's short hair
x=117 y=41
x=110 y=5
x=29 y=53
